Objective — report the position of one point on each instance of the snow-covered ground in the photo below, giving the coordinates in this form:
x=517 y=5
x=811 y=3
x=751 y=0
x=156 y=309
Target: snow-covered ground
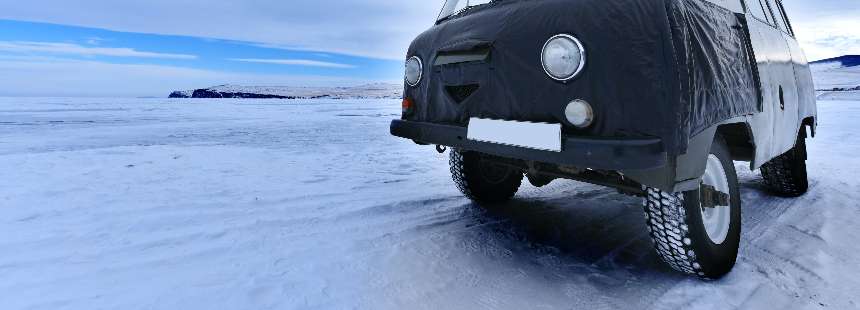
x=832 y=75
x=837 y=80
x=839 y=95
x=216 y=204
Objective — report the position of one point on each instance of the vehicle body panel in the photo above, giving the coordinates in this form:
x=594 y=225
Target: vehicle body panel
x=787 y=88
x=671 y=71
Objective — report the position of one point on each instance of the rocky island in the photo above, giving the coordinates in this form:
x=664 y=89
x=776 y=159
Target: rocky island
x=367 y=91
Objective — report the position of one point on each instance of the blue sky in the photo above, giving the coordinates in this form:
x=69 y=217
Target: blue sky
x=51 y=43
x=148 y=48
x=79 y=43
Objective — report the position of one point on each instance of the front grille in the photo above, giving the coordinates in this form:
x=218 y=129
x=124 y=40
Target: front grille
x=461 y=92
x=478 y=54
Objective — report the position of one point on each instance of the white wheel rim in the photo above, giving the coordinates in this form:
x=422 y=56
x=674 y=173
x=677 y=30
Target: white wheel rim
x=717 y=220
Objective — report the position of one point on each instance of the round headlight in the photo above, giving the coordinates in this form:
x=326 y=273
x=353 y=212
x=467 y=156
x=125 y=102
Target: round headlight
x=563 y=57
x=414 y=69
x=579 y=113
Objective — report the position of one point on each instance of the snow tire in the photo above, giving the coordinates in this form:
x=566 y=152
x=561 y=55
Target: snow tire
x=676 y=226
x=481 y=180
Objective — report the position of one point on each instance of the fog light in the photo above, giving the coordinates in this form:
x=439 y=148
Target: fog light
x=579 y=113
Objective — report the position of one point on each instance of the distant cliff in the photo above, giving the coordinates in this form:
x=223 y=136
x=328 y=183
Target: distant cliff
x=844 y=61
x=207 y=93
x=368 y=91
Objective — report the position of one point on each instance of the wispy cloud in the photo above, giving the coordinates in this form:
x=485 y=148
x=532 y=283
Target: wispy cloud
x=368 y=28
x=297 y=62
x=46 y=76
x=95 y=40
x=75 y=49
x=826 y=28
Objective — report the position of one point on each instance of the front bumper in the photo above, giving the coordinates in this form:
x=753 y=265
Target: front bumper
x=604 y=154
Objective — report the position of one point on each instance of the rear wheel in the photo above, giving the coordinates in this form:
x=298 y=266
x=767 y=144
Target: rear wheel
x=698 y=232
x=481 y=179
x=786 y=175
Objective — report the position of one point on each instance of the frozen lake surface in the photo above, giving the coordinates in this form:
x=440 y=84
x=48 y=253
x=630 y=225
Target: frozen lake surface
x=216 y=204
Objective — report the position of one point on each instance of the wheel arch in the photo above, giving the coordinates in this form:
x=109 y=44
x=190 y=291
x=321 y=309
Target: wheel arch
x=739 y=138
x=811 y=123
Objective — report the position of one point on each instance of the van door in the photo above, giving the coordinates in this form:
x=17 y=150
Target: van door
x=778 y=82
x=789 y=102
x=802 y=73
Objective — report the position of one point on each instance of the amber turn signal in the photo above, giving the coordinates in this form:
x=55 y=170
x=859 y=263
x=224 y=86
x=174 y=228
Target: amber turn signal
x=407 y=105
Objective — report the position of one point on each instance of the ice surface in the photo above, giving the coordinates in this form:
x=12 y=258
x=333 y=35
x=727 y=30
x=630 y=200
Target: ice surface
x=256 y=204
x=853 y=95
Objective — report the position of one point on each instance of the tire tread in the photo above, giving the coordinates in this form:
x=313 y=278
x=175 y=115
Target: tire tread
x=463 y=172
x=667 y=225
x=786 y=174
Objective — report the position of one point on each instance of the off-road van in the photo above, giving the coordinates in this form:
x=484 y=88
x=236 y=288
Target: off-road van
x=655 y=98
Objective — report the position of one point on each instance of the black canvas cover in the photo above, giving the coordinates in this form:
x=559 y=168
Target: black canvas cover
x=657 y=68
x=716 y=60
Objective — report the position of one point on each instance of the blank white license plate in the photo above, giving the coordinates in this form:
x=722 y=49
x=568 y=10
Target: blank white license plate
x=539 y=136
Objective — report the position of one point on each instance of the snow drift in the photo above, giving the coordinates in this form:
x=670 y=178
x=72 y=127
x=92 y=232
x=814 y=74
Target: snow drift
x=837 y=78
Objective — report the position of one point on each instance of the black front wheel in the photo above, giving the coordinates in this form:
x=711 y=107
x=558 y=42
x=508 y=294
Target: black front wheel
x=483 y=180
x=698 y=232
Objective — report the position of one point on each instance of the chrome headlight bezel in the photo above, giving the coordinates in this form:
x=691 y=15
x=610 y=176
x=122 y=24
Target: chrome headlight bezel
x=420 y=71
x=578 y=46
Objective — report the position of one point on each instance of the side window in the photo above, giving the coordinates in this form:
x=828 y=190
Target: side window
x=778 y=22
x=784 y=18
x=757 y=9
